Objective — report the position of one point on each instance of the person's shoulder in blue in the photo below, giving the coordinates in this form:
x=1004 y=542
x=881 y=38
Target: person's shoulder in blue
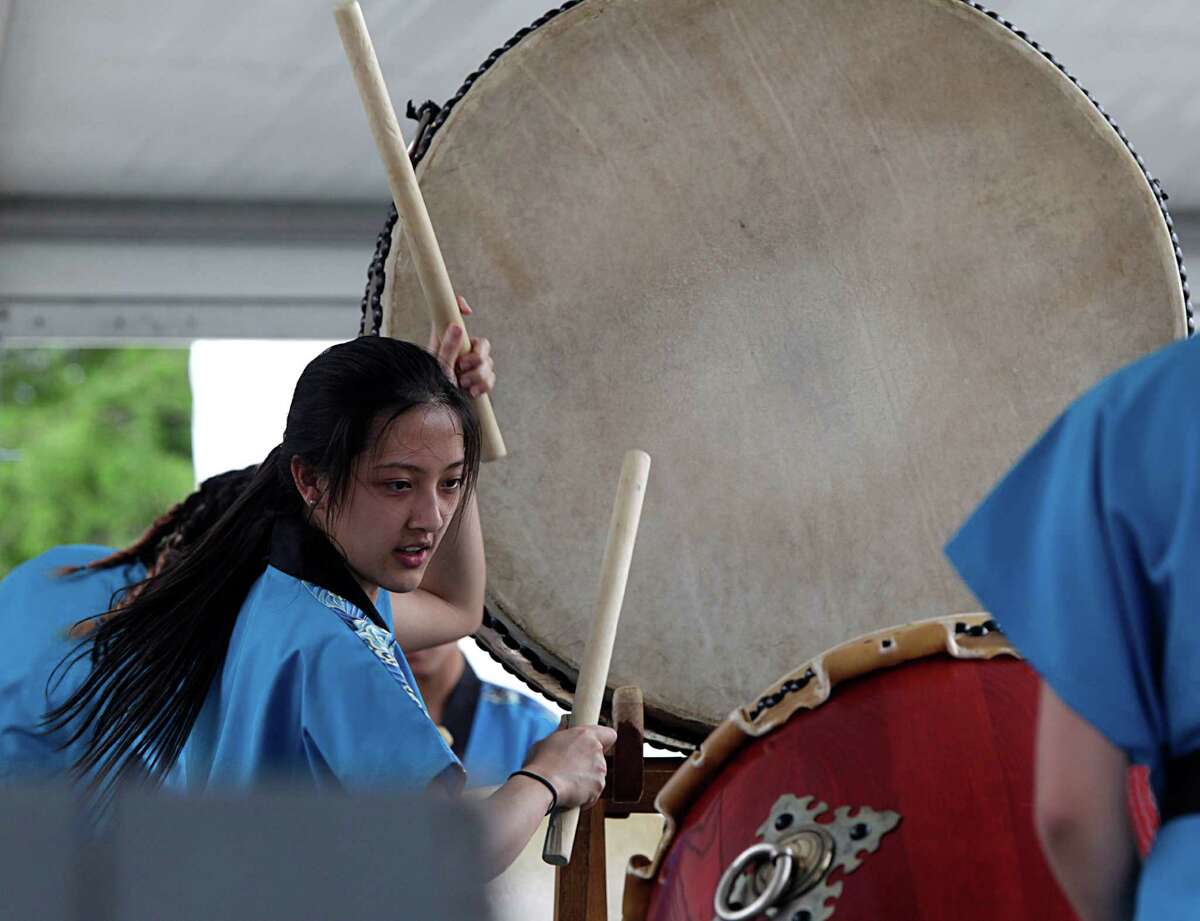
x=40 y=602
x=507 y=725
x=48 y=605
x=313 y=688
x=491 y=728
x=1085 y=553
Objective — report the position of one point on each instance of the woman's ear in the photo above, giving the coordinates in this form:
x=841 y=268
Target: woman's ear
x=308 y=482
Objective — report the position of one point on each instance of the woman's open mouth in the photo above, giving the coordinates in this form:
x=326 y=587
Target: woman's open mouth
x=414 y=556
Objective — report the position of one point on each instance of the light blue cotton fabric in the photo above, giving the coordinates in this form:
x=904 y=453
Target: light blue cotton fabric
x=313 y=691
x=1088 y=555
x=505 y=727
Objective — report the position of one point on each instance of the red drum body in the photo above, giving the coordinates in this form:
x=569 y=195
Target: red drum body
x=1143 y=809
x=918 y=778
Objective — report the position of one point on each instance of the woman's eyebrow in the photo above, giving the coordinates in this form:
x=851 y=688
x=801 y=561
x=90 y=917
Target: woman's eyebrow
x=415 y=468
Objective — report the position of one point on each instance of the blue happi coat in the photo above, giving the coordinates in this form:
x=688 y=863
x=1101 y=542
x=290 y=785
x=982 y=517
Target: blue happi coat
x=505 y=726
x=1088 y=555
x=37 y=609
x=314 y=688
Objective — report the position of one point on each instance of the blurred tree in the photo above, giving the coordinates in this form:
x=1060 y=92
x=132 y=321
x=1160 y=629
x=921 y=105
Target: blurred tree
x=94 y=444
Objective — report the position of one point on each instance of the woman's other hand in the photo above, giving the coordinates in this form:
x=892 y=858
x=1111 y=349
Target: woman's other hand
x=473 y=371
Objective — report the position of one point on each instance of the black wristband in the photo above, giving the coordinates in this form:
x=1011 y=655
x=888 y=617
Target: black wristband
x=540 y=779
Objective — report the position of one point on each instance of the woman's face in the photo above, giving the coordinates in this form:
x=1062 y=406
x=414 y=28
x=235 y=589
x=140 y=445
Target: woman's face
x=402 y=496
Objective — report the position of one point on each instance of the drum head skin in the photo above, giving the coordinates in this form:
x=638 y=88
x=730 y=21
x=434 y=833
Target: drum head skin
x=834 y=265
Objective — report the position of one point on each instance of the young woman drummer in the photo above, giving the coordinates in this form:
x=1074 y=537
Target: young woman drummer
x=48 y=603
x=261 y=655
x=1086 y=553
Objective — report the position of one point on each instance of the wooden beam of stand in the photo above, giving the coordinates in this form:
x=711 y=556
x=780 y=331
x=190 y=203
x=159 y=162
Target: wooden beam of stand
x=628 y=774
x=580 y=892
x=657 y=771
x=581 y=886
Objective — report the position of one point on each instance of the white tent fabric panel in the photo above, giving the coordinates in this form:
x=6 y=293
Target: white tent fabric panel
x=221 y=99
x=249 y=111
x=255 y=100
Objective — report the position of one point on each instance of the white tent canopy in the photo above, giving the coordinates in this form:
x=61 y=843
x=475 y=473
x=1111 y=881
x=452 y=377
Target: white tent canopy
x=204 y=169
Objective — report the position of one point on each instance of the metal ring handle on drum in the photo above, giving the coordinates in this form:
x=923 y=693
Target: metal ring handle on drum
x=784 y=864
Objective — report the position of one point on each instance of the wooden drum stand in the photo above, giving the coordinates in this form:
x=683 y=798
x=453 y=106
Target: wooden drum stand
x=634 y=781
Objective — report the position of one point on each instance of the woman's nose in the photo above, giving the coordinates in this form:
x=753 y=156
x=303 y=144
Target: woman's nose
x=426 y=513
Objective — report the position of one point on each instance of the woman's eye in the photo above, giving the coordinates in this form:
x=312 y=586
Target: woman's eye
x=455 y=483
x=397 y=485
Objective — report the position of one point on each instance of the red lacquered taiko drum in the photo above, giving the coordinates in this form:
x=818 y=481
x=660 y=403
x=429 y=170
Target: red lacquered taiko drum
x=890 y=778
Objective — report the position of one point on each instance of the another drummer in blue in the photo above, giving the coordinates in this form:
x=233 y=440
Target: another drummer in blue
x=490 y=728
x=39 y=604
x=1087 y=555
x=262 y=656
x=46 y=600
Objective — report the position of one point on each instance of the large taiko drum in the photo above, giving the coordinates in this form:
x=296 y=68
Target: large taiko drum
x=832 y=263
x=891 y=777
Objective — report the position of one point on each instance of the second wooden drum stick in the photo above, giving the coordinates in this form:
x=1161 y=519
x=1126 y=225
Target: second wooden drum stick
x=593 y=670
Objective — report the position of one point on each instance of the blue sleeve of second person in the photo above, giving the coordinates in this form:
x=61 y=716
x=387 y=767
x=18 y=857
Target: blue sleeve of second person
x=506 y=726
x=1056 y=554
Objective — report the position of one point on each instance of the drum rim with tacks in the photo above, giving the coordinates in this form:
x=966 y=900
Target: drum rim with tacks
x=512 y=632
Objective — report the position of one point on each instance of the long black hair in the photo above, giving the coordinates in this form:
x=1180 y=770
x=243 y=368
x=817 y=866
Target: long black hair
x=155 y=658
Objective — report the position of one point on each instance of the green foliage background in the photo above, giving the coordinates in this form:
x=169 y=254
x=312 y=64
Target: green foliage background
x=94 y=445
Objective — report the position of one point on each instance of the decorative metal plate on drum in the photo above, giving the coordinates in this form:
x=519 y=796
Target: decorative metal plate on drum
x=832 y=264
x=790 y=868
x=920 y=737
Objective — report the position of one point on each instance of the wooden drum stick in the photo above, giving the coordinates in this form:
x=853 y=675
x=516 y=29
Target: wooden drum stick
x=427 y=256
x=593 y=671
